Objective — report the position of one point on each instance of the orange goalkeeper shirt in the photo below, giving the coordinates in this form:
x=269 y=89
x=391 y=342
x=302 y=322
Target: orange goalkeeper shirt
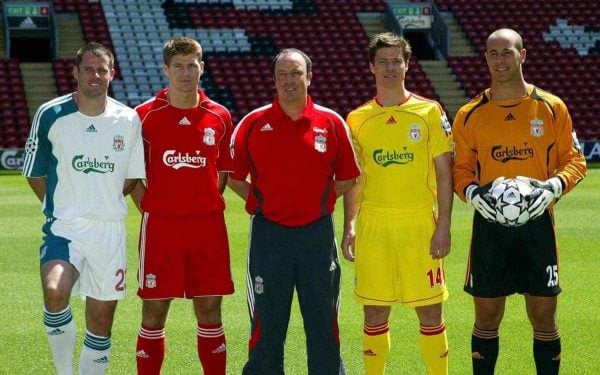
x=530 y=136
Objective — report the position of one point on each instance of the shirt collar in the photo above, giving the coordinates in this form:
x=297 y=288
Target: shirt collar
x=306 y=114
x=410 y=94
x=162 y=95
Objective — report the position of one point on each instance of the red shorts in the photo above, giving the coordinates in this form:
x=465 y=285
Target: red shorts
x=183 y=256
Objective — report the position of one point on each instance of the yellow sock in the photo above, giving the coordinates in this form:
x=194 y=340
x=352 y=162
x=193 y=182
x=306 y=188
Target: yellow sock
x=434 y=348
x=376 y=348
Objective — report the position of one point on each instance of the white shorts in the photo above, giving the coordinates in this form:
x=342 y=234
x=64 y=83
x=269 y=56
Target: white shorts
x=95 y=248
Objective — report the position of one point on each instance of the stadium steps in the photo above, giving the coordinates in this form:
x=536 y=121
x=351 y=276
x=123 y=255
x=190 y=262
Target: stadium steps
x=459 y=43
x=446 y=84
x=372 y=22
x=38 y=81
x=70 y=36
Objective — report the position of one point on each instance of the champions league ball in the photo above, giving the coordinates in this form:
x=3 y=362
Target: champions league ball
x=512 y=202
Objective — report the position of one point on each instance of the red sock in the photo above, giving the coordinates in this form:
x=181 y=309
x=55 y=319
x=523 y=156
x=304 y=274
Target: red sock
x=212 y=350
x=150 y=351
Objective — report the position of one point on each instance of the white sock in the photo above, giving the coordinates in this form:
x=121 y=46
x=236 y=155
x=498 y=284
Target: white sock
x=62 y=336
x=94 y=354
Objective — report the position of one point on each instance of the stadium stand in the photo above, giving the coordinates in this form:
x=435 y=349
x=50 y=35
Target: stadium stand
x=328 y=31
x=240 y=37
x=561 y=42
x=14 y=117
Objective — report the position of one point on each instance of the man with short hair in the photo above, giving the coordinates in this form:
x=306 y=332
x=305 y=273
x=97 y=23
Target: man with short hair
x=84 y=153
x=514 y=130
x=184 y=248
x=299 y=158
x=392 y=227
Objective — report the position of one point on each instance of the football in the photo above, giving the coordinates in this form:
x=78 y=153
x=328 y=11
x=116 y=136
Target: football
x=511 y=202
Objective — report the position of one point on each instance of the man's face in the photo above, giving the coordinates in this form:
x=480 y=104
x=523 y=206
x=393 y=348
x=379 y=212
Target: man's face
x=389 y=67
x=504 y=60
x=184 y=72
x=291 y=78
x=93 y=75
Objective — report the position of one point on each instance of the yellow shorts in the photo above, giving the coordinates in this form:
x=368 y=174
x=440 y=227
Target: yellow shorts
x=393 y=264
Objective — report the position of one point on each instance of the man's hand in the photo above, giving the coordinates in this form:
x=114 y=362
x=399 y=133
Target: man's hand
x=544 y=193
x=480 y=198
x=348 y=244
x=553 y=185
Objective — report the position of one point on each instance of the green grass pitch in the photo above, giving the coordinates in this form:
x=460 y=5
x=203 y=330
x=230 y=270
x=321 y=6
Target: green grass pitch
x=24 y=350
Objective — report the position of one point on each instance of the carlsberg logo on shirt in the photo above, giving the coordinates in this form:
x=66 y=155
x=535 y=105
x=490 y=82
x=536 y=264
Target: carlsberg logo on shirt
x=385 y=157
x=504 y=154
x=86 y=164
x=177 y=160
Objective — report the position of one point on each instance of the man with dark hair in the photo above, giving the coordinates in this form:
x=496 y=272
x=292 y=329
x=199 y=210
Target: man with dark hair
x=184 y=248
x=535 y=126
x=397 y=218
x=299 y=158
x=84 y=153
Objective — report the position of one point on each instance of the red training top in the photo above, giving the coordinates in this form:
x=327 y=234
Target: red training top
x=292 y=164
x=184 y=151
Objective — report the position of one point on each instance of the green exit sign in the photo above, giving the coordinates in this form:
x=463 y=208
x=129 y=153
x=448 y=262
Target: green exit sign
x=28 y=16
x=408 y=11
x=26 y=10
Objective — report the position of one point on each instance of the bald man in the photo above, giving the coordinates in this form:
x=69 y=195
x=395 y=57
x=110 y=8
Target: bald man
x=514 y=129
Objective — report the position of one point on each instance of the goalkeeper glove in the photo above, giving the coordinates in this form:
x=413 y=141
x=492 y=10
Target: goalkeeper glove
x=480 y=198
x=543 y=194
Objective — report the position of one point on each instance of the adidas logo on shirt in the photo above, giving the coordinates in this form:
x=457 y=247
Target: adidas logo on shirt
x=266 y=128
x=220 y=349
x=510 y=117
x=184 y=121
x=391 y=121
x=91 y=129
x=142 y=354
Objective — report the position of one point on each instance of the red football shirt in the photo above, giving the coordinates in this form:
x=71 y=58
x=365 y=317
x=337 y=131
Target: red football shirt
x=184 y=151
x=292 y=164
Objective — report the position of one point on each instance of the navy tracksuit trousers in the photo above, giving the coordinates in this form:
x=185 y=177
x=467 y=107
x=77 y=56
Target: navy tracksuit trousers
x=281 y=258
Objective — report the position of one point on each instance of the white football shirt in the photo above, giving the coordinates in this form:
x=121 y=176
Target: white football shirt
x=85 y=159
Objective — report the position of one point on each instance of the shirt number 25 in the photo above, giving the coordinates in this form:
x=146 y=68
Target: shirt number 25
x=552 y=272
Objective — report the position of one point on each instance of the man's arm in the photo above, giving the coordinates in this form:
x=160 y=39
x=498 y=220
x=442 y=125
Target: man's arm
x=137 y=193
x=341 y=187
x=440 y=241
x=240 y=187
x=129 y=185
x=222 y=181
x=38 y=185
x=350 y=212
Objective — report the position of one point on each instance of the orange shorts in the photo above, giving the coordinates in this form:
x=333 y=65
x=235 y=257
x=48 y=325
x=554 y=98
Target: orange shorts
x=183 y=256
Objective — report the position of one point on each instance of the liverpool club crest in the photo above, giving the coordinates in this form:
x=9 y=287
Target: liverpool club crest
x=537 y=127
x=118 y=143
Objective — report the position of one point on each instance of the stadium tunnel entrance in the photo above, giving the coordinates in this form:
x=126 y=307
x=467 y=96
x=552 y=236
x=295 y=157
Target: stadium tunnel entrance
x=31 y=49
x=420 y=44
